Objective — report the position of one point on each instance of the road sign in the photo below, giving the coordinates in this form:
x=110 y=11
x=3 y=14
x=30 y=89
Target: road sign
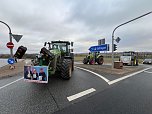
x=103 y=47
x=11 y=61
x=101 y=41
x=17 y=37
x=10 y=45
x=117 y=39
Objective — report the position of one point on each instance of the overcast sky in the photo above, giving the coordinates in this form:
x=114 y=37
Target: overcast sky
x=80 y=21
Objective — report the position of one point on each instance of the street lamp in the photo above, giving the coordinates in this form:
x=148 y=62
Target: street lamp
x=10 y=36
x=118 y=27
x=15 y=36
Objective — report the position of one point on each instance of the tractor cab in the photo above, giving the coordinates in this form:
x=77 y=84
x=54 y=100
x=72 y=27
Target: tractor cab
x=129 y=53
x=62 y=46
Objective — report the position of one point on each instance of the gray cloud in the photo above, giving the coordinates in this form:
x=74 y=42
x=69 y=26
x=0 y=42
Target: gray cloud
x=83 y=22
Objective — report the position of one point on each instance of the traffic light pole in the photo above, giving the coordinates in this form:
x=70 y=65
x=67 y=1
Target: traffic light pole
x=118 y=27
x=10 y=36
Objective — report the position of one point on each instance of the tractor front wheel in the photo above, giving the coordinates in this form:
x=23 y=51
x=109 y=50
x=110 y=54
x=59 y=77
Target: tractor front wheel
x=66 y=69
x=91 y=62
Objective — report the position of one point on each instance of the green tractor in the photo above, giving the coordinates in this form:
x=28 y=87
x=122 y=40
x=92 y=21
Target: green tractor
x=93 y=58
x=58 y=57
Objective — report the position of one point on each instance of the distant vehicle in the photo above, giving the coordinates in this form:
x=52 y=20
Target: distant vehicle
x=93 y=58
x=129 y=58
x=147 y=61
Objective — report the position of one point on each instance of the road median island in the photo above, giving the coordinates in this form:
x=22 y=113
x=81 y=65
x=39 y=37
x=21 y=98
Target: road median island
x=6 y=72
x=107 y=70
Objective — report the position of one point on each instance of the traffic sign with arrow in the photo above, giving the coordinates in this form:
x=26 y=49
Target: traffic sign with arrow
x=11 y=61
x=103 y=47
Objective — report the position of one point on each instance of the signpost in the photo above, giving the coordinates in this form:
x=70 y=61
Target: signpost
x=10 y=45
x=17 y=37
x=103 y=47
x=118 y=39
x=101 y=41
x=11 y=61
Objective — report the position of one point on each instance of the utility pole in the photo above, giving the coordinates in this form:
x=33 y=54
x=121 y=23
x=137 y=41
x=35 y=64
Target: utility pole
x=118 y=27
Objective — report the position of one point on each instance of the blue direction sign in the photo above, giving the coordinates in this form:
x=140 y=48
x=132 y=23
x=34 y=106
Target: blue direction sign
x=11 y=61
x=103 y=47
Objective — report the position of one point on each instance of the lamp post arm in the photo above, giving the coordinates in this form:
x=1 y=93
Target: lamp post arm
x=7 y=26
x=10 y=36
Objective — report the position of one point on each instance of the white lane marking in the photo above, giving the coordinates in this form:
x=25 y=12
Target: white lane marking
x=81 y=94
x=118 y=79
x=148 y=72
x=130 y=75
x=105 y=79
x=11 y=83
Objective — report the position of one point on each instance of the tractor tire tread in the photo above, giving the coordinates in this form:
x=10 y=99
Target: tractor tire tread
x=66 y=69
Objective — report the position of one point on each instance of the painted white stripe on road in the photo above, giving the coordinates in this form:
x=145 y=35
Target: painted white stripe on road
x=148 y=72
x=81 y=94
x=105 y=79
x=130 y=75
x=11 y=83
x=116 y=80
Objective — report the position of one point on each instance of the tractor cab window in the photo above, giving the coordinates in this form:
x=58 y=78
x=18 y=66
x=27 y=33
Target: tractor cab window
x=61 y=46
x=128 y=53
x=55 y=47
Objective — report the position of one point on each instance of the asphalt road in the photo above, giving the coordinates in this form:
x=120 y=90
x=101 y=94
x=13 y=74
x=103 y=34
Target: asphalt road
x=24 y=97
x=130 y=96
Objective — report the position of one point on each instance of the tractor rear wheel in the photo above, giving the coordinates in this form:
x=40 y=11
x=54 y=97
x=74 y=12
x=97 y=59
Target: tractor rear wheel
x=72 y=65
x=85 y=61
x=66 y=69
x=100 y=60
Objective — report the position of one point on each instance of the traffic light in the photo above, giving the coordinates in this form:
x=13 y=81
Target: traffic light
x=47 y=53
x=114 y=47
x=20 y=52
